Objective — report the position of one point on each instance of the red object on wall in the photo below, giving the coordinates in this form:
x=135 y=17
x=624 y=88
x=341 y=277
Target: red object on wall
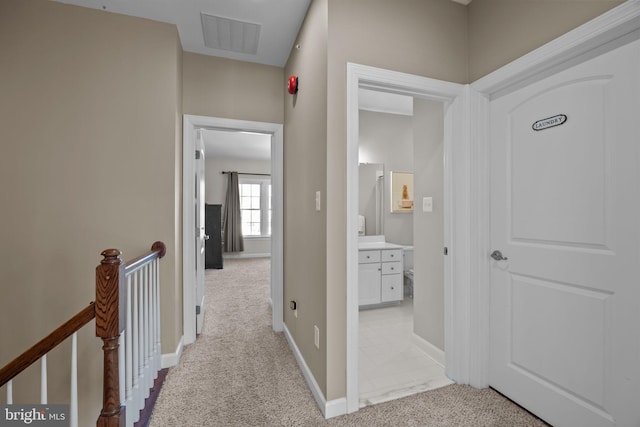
x=292 y=84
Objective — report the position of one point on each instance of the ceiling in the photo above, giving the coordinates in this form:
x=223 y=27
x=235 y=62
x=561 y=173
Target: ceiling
x=277 y=22
x=237 y=145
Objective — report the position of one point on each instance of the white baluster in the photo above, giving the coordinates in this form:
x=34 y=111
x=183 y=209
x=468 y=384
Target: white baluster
x=43 y=380
x=154 y=317
x=73 y=401
x=128 y=385
x=121 y=368
x=10 y=392
x=129 y=346
x=158 y=329
x=147 y=347
x=136 y=355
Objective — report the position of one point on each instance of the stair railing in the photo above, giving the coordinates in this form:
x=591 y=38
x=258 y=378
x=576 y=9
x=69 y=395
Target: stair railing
x=127 y=314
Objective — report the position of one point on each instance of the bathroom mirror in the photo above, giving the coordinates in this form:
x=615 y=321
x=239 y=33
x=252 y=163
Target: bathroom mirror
x=401 y=192
x=371 y=199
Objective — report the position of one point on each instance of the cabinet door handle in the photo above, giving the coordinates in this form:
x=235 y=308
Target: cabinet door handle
x=392 y=288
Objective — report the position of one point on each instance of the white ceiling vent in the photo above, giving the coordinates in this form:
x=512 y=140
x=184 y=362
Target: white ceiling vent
x=229 y=34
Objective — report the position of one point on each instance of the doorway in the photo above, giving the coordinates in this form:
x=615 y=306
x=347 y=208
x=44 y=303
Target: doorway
x=456 y=267
x=401 y=348
x=190 y=126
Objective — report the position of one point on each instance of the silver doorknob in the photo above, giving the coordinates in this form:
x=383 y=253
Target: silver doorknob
x=497 y=255
x=206 y=237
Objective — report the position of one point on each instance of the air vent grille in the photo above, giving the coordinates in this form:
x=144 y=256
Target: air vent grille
x=228 y=34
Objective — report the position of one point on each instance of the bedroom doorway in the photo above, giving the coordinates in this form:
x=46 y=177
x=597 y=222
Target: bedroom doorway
x=190 y=126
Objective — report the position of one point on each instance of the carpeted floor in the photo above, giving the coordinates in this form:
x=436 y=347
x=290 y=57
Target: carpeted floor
x=240 y=373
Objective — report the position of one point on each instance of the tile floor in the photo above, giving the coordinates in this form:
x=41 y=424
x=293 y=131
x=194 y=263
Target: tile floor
x=391 y=366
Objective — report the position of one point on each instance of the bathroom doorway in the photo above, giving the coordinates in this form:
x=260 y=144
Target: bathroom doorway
x=401 y=207
x=452 y=99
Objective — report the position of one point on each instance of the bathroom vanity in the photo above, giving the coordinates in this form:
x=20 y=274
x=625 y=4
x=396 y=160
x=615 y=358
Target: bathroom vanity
x=380 y=272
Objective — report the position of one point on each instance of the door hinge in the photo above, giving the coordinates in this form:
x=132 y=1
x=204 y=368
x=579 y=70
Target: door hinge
x=197 y=310
x=198 y=155
x=446 y=250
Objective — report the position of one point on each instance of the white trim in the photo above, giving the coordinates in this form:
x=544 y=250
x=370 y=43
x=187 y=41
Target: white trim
x=480 y=214
x=245 y=255
x=172 y=359
x=431 y=350
x=603 y=33
x=457 y=231
x=330 y=409
x=190 y=124
x=335 y=408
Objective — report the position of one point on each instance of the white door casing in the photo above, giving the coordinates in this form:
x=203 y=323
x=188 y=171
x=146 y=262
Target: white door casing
x=200 y=236
x=457 y=236
x=190 y=124
x=565 y=212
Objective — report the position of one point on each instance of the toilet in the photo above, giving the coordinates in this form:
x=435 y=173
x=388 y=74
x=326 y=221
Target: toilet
x=407 y=253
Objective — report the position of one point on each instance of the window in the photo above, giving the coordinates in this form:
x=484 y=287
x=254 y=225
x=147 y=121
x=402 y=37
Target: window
x=255 y=206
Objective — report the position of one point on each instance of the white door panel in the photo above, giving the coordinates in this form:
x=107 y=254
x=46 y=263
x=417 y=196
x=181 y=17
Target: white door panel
x=565 y=306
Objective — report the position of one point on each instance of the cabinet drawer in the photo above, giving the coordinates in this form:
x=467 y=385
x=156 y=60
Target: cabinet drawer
x=392 y=255
x=365 y=257
x=391 y=288
x=391 y=267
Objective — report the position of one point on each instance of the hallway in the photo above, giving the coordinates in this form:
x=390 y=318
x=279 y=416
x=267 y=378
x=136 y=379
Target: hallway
x=240 y=373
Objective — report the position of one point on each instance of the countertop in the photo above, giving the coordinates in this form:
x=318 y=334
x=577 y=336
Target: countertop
x=372 y=243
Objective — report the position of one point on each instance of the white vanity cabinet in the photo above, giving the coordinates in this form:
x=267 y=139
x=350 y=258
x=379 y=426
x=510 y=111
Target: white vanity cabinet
x=380 y=276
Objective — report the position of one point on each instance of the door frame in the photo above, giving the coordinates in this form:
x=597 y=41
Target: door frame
x=457 y=236
x=190 y=124
x=604 y=33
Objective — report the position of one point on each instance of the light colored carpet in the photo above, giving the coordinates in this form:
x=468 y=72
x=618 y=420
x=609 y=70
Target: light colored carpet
x=240 y=373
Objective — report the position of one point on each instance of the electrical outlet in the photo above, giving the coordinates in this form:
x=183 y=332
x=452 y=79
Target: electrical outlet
x=316 y=336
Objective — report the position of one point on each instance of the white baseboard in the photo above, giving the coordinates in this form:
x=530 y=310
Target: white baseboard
x=432 y=351
x=172 y=359
x=330 y=409
x=243 y=255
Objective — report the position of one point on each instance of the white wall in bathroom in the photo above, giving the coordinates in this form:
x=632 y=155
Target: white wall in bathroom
x=388 y=139
x=428 y=227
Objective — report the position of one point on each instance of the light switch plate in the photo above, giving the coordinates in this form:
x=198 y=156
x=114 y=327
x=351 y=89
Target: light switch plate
x=427 y=204
x=318 y=201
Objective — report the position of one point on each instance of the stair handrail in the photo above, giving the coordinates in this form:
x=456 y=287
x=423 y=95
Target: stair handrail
x=45 y=345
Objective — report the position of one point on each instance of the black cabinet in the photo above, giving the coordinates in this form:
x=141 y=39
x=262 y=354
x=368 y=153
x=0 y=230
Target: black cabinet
x=213 y=228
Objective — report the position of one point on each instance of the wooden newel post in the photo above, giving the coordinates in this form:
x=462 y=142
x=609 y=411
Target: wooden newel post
x=109 y=324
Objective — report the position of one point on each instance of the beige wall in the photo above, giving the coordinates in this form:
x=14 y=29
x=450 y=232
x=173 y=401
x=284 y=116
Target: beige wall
x=305 y=168
x=88 y=123
x=501 y=31
x=220 y=87
x=424 y=37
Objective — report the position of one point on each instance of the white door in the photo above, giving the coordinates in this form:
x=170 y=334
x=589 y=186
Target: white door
x=565 y=305
x=200 y=233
